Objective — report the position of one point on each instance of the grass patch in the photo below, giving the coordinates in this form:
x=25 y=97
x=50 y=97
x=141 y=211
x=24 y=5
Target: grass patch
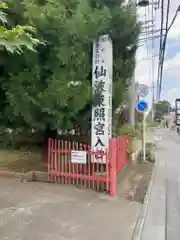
x=22 y=161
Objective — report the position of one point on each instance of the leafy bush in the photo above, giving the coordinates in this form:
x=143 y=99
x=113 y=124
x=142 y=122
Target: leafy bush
x=130 y=149
x=75 y=138
x=18 y=138
x=149 y=156
x=7 y=138
x=152 y=124
x=128 y=130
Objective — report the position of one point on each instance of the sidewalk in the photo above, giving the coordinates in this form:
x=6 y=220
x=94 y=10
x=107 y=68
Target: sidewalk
x=160 y=215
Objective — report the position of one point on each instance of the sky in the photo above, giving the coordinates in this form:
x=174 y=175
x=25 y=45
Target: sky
x=146 y=68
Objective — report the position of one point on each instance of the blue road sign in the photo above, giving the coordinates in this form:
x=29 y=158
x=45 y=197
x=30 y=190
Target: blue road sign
x=142 y=106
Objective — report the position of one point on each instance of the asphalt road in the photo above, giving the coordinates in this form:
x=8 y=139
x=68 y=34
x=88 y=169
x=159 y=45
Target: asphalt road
x=162 y=218
x=168 y=143
x=172 y=155
x=41 y=211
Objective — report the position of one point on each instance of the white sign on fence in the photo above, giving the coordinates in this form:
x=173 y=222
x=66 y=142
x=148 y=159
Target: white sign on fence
x=78 y=157
x=101 y=127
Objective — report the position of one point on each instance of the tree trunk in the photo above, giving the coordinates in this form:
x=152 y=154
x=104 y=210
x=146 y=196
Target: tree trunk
x=48 y=133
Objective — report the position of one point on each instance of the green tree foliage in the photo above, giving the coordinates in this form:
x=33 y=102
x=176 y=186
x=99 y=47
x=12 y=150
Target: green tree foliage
x=161 y=108
x=51 y=89
x=15 y=38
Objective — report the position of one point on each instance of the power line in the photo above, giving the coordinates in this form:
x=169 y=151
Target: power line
x=163 y=50
x=165 y=40
x=153 y=16
x=160 y=43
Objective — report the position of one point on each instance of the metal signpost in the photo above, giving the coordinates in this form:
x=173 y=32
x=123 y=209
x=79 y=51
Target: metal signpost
x=142 y=107
x=177 y=115
x=177 y=112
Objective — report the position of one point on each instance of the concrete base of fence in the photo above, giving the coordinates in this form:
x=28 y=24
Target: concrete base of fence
x=40 y=176
x=7 y=174
x=26 y=177
x=43 y=177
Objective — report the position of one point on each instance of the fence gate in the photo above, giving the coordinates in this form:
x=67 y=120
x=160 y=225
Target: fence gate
x=75 y=163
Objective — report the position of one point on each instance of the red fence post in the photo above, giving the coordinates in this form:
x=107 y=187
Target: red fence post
x=112 y=160
x=49 y=159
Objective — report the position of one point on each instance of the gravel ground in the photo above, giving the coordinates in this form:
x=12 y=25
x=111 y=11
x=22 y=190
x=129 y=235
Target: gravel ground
x=135 y=186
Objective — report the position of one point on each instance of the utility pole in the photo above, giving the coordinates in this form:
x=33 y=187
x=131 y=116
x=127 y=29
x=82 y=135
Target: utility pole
x=152 y=61
x=132 y=101
x=132 y=88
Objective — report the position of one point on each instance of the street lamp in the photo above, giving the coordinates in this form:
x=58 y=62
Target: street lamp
x=143 y=3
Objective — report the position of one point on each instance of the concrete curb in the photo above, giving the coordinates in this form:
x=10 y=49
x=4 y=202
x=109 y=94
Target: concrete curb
x=27 y=177
x=143 y=211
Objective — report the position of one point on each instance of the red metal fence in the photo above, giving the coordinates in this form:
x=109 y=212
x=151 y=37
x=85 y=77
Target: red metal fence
x=121 y=155
x=91 y=173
